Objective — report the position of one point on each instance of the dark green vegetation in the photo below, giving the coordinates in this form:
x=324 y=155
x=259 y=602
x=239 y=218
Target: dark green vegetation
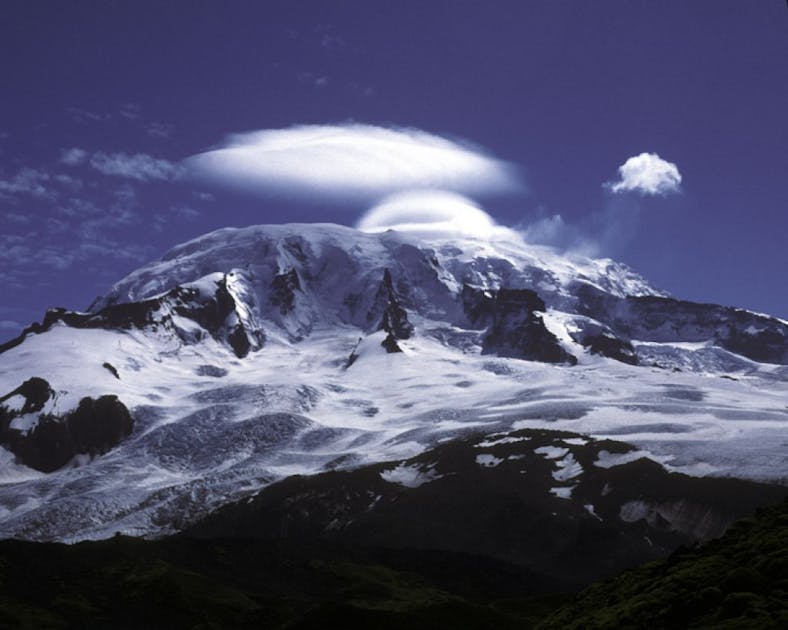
x=186 y=583
x=738 y=581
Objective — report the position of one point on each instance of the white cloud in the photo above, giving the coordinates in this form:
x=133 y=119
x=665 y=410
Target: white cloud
x=361 y=162
x=139 y=166
x=647 y=174
x=432 y=212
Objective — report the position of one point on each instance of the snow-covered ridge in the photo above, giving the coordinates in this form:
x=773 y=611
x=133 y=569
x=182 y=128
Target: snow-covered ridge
x=318 y=250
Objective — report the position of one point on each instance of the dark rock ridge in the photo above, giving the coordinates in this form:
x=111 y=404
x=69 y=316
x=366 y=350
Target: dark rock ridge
x=507 y=492
x=36 y=392
x=93 y=428
x=514 y=328
x=662 y=319
x=216 y=314
x=390 y=315
x=600 y=339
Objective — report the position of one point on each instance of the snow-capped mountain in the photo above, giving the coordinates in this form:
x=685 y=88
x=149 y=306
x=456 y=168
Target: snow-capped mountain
x=251 y=354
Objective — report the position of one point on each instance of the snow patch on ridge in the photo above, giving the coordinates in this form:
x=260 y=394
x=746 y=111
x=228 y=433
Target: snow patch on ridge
x=410 y=476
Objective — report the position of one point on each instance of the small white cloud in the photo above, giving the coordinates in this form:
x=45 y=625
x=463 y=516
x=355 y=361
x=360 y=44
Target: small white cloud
x=433 y=212
x=361 y=162
x=140 y=166
x=647 y=174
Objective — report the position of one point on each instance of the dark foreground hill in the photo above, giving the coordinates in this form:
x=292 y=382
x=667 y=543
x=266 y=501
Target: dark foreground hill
x=738 y=581
x=485 y=531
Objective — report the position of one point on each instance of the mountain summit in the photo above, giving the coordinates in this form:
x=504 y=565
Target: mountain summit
x=248 y=355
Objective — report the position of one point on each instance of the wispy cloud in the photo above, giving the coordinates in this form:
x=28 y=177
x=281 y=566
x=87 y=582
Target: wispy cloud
x=73 y=156
x=128 y=114
x=138 y=166
x=159 y=130
x=38 y=183
x=315 y=80
x=83 y=116
x=358 y=162
x=647 y=174
x=28 y=181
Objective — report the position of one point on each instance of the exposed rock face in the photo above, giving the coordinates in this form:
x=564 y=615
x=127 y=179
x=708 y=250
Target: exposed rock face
x=515 y=329
x=283 y=288
x=36 y=392
x=390 y=344
x=600 y=339
x=612 y=347
x=93 y=428
x=662 y=319
x=390 y=315
x=217 y=313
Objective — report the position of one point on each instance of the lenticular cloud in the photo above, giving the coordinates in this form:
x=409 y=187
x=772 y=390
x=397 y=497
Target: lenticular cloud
x=361 y=162
x=433 y=212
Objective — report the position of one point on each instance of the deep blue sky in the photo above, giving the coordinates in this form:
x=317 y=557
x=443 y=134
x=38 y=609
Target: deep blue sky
x=566 y=90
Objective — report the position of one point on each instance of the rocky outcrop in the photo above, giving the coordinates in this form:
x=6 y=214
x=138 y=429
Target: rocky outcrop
x=35 y=392
x=49 y=441
x=283 y=288
x=217 y=314
x=662 y=319
x=514 y=327
x=388 y=314
x=601 y=340
x=610 y=346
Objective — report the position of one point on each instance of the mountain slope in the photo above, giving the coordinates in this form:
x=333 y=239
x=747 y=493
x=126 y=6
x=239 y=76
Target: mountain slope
x=248 y=355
